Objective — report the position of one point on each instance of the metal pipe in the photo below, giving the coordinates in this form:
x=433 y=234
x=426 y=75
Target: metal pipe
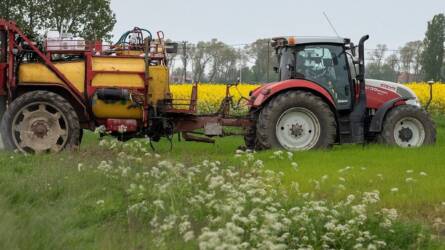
x=361 y=57
x=357 y=116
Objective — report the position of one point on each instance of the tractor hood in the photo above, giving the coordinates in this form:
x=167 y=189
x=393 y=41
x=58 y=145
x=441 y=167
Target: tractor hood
x=377 y=91
x=375 y=88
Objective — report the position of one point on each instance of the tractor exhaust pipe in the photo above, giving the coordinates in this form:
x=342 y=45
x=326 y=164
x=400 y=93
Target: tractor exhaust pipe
x=357 y=116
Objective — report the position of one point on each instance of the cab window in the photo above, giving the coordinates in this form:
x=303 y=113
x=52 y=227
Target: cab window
x=327 y=66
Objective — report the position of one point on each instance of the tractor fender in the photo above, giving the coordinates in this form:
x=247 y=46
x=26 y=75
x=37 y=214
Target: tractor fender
x=376 y=124
x=265 y=92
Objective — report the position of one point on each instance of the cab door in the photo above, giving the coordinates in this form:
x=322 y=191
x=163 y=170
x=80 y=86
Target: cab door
x=326 y=65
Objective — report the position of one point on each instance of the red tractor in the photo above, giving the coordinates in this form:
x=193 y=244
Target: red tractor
x=323 y=98
x=50 y=92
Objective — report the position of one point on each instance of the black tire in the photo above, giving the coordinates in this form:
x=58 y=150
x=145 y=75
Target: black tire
x=250 y=138
x=80 y=136
x=54 y=104
x=398 y=115
x=271 y=113
x=2 y=106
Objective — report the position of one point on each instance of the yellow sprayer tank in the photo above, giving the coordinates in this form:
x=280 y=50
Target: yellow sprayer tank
x=110 y=72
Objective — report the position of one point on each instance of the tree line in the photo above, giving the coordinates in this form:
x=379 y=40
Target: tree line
x=90 y=19
x=415 y=61
x=216 y=61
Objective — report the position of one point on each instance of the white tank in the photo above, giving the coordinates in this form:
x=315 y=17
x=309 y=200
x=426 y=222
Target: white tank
x=65 y=42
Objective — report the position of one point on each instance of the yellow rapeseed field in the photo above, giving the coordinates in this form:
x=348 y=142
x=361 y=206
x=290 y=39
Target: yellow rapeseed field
x=422 y=90
x=210 y=95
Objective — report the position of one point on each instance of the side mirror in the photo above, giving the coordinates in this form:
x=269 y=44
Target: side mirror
x=171 y=48
x=352 y=48
x=275 y=69
x=290 y=67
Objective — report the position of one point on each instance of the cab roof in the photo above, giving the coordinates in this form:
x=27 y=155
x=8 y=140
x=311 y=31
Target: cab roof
x=296 y=40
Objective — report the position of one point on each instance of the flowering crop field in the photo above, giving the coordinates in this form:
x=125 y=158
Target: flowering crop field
x=422 y=90
x=210 y=95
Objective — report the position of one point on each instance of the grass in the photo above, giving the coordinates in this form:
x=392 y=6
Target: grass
x=46 y=203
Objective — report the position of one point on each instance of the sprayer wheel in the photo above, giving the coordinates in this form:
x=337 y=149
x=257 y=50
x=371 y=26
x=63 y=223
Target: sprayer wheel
x=40 y=122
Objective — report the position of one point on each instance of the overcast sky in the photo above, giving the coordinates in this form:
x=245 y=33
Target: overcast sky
x=392 y=22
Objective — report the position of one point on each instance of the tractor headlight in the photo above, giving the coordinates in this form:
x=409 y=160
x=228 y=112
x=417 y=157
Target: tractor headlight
x=414 y=102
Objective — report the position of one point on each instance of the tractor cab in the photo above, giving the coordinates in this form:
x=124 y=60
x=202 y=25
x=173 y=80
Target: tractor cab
x=328 y=62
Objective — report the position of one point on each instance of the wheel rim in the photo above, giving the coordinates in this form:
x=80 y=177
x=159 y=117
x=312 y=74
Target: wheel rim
x=40 y=127
x=409 y=132
x=298 y=129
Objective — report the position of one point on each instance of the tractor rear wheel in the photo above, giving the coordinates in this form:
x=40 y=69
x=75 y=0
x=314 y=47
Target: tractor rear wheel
x=408 y=126
x=39 y=122
x=296 y=120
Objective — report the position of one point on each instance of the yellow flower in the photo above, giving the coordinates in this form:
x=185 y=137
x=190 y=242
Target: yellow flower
x=210 y=95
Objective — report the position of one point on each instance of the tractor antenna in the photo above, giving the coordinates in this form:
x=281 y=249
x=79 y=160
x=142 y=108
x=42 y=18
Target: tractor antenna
x=330 y=24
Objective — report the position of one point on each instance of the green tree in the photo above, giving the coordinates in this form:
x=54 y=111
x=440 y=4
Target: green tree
x=200 y=59
x=90 y=19
x=30 y=15
x=223 y=65
x=265 y=60
x=433 y=53
x=392 y=63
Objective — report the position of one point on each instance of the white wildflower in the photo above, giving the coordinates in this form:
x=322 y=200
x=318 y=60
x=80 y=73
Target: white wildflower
x=100 y=130
x=423 y=174
x=345 y=169
x=371 y=197
x=294 y=166
x=409 y=171
x=372 y=247
x=258 y=164
x=100 y=202
x=358 y=246
x=394 y=190
x=324 y=178
x=391 y=213
x=239 y=152
x=438 y=222
x=159 y=204
x=216 y=182
x=188 y=236
x=410 y=180
x=350 y=198
x=79 y=167
x=290 y=155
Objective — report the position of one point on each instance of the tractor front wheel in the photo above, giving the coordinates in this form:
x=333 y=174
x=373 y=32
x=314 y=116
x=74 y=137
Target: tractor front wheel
x=408 y=126
x=39 y=122
x=295 y=121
